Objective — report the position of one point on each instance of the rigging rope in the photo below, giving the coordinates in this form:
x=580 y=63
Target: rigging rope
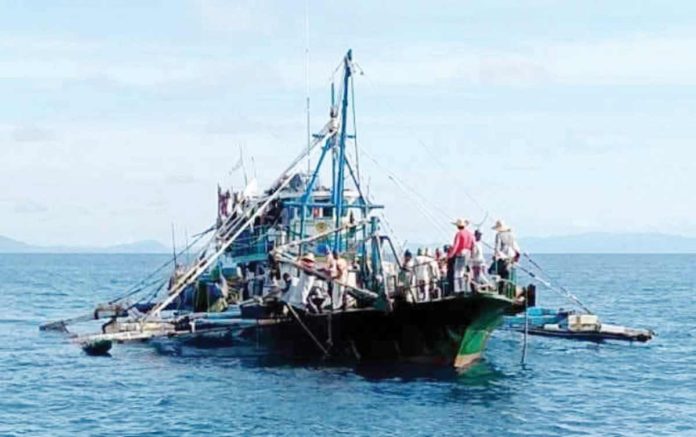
x=307 y=330
x=409 y=192
x=140 y=285
x=558 y=289
x=432 y=155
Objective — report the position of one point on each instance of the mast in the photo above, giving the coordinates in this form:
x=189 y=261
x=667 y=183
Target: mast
x=339 y=182
x=341 y=167
x=309 y=133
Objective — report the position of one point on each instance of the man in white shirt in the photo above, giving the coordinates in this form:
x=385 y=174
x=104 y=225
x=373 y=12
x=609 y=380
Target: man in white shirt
x=298 y=293
x=426 y=272
x=406 y=276
x=506 y=250
x=478 y=261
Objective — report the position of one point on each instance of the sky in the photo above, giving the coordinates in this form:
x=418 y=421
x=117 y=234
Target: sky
x=119 y=119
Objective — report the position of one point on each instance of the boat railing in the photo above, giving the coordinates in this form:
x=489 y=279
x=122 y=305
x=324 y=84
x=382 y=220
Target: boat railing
x=436 y=288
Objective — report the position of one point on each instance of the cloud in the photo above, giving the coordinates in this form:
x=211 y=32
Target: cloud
x=27 y=206
x=181 y=179
x=31 y=134
x=594 y=142
x=621 y=60
x=239 y=16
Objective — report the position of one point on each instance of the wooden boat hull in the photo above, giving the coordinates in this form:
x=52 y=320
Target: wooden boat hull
x=595 y=336
x=451 y=332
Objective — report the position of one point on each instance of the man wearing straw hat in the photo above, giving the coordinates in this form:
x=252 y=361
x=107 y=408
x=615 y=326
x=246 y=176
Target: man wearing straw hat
x=506 y=250
x=460 y=253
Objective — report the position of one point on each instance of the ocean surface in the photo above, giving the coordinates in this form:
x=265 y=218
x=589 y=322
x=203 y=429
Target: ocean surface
x=48 y=386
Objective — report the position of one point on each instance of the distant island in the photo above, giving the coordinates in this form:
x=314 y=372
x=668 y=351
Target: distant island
x=602 y=242
x=9 y=245
x=605 y=242
x=595 y=242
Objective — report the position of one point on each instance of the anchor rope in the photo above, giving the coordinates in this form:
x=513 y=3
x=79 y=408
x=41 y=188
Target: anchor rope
x=307 y=330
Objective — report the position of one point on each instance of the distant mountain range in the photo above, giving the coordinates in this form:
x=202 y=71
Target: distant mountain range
x=9 y=245
x=595 y=242
x=604 y=242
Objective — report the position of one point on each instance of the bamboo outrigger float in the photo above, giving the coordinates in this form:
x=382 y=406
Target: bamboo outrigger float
x=267 y=234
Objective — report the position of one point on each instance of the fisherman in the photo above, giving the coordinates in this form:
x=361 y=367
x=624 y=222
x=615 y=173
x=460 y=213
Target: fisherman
x=297 y=295
x=506 y=251
x=447 y=270
x=438 y=255
x=331 y=270
x=406 y=276
x=223 y=205
x=434 y=270
x=176 y=275
x=340 y=274
x=333 y=123
x=460 y=252
x=426 y=271
x=320 y=291
x=478 y=262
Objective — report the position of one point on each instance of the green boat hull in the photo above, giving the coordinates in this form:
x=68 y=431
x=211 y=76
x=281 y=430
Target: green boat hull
x=452 y=332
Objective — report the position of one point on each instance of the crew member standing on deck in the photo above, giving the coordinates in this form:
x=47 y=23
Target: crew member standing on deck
x=422 y=270
x=298 y=294
x=506 y=250
x=339 y=272
x=406 y=277
x=460 y=252
x=478 y=262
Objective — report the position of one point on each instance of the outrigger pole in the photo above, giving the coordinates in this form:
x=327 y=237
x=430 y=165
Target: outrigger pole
x=200 y=267
x=150 y=324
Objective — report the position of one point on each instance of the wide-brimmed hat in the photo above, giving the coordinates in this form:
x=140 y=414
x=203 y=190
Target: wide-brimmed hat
x=461 y=223
x=308 y=257
x=500 y=226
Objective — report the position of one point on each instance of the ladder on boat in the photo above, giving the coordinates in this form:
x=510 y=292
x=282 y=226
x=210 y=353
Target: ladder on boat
x=151 y=324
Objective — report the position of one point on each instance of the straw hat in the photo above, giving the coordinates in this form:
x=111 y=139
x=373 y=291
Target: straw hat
x=308 y=257
x=461 y=223
x=500 y=226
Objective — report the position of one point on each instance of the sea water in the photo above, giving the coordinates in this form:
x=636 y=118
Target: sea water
x=48 y=386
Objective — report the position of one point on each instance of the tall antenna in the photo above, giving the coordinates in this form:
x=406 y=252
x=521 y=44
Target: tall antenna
x=241 y=157
x=187 y=253
x=309 y=135
x=173 y=244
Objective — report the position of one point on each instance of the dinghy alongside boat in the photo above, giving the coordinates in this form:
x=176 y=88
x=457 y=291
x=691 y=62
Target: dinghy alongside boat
x=573 y=325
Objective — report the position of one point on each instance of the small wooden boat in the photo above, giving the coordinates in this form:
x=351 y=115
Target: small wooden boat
x=97 y=347
x=569 y=324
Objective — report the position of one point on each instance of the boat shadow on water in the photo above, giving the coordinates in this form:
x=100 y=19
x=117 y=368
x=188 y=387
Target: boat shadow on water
x=250 y=355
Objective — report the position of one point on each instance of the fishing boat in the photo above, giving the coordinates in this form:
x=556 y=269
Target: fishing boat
x=267 y=274
x=574 y=325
